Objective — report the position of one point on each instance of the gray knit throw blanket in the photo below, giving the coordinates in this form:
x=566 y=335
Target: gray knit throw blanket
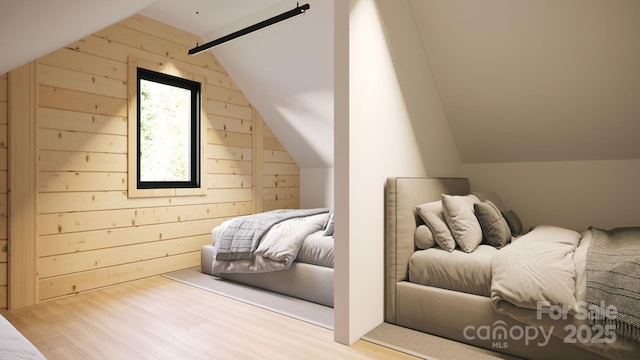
x=613 y=279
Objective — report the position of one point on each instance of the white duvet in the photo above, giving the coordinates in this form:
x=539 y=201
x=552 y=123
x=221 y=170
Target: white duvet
x=13 y=345
x=277 y=249
x=540 y=280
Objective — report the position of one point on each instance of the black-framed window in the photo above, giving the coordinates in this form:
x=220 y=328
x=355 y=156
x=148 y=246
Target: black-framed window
x=168 y=136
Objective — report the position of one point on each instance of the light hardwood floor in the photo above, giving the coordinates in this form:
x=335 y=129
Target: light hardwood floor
x=158 y=318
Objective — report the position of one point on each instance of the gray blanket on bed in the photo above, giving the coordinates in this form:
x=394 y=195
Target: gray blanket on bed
x=241 y=238
x=613 y=279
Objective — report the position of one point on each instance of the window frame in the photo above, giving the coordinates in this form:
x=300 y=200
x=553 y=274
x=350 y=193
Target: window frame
x=170 y=73
x=194 y=161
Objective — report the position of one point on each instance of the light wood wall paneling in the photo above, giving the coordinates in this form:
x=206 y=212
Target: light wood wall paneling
x=3 y=88
x=281 y=204
x=87 y=63
x=79 y=81
x=81 y=161
x=50 y=266
x=272 y=156
x=282 y=181
x=81 y=181
x=3 y=297
x=4 y=158
x=281 y=193
x=4 y=253
x=4 y=110
x=272 y=143
x=107 y=200
x=23 y=90
x=235 y=167
x=75 y=283
x=227 y=138
x=105 y=239
x=61 y=140
x=58 y=98
x=229 y=181
x=220 y=108
x=281 y=169
x=230 y=96
x=56 y=119
x=223 y=152
x=62 y=223
x=4 y=248
x=230 y=124
x=258 y=180
x=3 y=274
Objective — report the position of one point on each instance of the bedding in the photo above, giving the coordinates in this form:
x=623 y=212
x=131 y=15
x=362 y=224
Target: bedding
x=317 y=249
x=537 y=282
x=13 y=345
x=458 y=270
x=581 y=286
x=263 y=244
x=297 y=248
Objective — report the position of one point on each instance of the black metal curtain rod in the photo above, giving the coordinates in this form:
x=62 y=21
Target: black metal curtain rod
x=284 y=16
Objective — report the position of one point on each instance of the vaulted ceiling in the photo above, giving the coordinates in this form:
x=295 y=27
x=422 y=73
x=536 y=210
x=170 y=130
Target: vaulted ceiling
x=544 y=80
x=519 y=80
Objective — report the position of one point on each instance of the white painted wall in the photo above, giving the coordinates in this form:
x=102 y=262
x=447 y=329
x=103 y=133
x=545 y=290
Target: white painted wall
x=396 y=126
x=572 y=194
x=316 y=187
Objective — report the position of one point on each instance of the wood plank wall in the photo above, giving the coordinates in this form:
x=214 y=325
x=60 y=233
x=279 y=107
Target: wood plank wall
x=90 y=234
x=3 y=190
x=281 y=175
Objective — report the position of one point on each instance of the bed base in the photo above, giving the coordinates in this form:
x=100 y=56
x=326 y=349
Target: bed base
x=304 y=281
x=440 y=312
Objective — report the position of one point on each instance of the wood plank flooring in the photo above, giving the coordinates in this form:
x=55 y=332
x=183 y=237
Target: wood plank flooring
x=158 y=318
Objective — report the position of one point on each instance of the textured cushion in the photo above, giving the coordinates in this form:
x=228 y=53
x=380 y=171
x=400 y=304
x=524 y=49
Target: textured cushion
x=433 y=215
x=423 y=238
x=328 y=231
x=462 y=221
x=494 y=227
x=515 y=225
x=324 y=227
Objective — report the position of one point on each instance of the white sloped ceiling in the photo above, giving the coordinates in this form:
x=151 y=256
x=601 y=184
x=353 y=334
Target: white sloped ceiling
x=30 y=29
x=546 y=80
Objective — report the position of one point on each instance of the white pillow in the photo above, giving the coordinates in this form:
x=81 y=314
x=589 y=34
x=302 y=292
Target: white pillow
x=462 y=221
x=433 y=216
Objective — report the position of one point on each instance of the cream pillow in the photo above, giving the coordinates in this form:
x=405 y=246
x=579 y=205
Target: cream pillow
x=462 y=221
x=423 y=238
x=433 y=216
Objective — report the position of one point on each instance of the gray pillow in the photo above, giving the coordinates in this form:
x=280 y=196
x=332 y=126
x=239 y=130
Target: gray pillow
x=494 y=227
x=493 y=197
x=433 y=217
x=329 y=228
x=423 y=238
x=515 y=225
x=462 y=221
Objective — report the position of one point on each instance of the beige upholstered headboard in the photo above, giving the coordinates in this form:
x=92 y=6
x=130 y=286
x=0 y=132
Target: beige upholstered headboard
x=402 y=194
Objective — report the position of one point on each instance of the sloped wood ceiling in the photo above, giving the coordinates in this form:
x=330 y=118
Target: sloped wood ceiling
x=536 y=80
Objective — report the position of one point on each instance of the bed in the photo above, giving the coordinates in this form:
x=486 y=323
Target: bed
x=492 y=296
x=13 y=345
x=286 y=251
